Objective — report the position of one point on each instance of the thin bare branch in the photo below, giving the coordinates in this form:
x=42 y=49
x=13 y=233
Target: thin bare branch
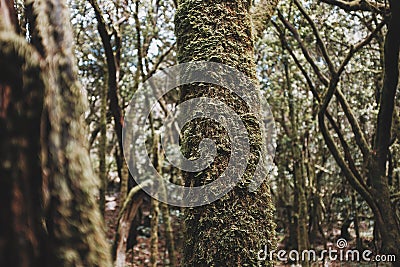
x=324 y=80
x=358 y=5
x=318 y=38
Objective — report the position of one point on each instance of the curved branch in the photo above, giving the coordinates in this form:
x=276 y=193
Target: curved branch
x=318 y=38
x=324 y=80
x=359 y=135
x=113 y=69
x=332 y=89
x=357 y=185
x=343 y=142
x=358 y=5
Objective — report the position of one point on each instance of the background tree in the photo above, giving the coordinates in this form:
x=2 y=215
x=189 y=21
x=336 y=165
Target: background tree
x=355 y=79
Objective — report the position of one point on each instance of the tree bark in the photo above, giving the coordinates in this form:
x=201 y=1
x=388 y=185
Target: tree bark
x=21 y=105
x=300 y=199
x=113 y=70
x=388 y=224
x=103 y=149
x=51 y=216
x=231 y=230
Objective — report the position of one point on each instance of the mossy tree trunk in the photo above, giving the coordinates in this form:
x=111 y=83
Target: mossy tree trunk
x=50 y=213
x=231 y=230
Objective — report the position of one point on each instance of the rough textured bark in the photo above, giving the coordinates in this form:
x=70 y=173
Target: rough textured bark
x=229 y=231
x=52 y=214
x=262 y=14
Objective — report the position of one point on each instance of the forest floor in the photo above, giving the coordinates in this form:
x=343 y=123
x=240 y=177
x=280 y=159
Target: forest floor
x=139 y=254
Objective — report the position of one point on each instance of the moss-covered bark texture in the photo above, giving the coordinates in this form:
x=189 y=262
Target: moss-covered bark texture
x=231 y=230
x=49 y=213
x=262 y=14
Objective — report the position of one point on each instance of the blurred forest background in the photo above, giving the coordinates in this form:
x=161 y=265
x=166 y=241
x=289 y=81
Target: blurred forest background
x=328 y=69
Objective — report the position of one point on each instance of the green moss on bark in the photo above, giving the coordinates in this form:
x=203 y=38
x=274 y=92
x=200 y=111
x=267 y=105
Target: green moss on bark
x=229 y=231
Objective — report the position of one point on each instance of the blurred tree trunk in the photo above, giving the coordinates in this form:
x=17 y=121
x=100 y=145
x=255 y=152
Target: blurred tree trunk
x=49 y=212
x=103 y=150
x=155 y=205
x=21 y=105
x=231 y=230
